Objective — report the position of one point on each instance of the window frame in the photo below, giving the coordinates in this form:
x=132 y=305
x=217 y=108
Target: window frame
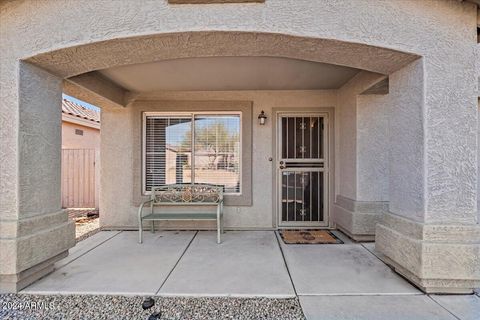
x=191 y=115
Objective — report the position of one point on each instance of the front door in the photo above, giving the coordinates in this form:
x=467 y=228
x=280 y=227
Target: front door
x=302 y=170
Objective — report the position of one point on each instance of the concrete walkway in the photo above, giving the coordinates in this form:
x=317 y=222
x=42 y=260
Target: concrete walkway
x=332 y=281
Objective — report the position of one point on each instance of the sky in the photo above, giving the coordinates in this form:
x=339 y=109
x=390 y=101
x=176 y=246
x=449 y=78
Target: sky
x=80 y=102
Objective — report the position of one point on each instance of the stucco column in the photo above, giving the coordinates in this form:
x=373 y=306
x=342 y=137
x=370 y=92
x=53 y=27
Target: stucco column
x=430 y=234
x=362 y=194
x=34 y=231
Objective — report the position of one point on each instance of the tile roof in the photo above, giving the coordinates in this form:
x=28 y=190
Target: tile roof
x=77 y=110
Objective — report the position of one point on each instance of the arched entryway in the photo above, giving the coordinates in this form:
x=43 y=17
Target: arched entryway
x=418 y=104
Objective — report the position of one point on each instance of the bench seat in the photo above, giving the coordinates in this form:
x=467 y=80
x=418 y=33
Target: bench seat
x=181 y=195
x=182 y=216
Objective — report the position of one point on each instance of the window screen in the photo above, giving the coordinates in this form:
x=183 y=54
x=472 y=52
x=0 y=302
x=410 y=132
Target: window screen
x=198 y=148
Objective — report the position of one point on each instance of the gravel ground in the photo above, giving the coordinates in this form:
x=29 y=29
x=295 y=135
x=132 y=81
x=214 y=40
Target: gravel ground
x=86 y=222
x=74 y=213
x=14 y=306
x=84 y=230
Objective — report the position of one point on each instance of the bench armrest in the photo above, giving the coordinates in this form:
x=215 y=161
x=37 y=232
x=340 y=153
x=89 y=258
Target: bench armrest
x=140 y=226
x=140 y=210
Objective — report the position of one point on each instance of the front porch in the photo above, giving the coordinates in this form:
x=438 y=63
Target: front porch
x=329 y=280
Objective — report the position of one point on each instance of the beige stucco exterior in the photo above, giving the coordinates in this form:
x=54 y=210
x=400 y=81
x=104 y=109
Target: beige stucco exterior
x=427 y=220
x=80 y=144
x=120 y=204
x=89 y=140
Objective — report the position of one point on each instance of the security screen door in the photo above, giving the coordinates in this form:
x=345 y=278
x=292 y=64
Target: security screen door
x=302 y=170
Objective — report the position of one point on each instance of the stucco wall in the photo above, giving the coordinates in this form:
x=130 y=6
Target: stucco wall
x=39 y=144
x=119 y=197
x=70 y=140
x=351 y=119
x=447 y=35
x=362 y=157
x=434 y=162
x=373 y=171
x=407 y=154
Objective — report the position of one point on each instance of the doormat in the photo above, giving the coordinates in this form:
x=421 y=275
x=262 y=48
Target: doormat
x=309 y=237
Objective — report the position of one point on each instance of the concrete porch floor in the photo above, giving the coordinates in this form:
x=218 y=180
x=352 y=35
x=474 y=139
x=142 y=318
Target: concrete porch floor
x=331 y=281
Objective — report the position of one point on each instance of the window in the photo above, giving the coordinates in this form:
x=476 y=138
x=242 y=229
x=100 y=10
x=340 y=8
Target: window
x=79 y=132
x=193 y=148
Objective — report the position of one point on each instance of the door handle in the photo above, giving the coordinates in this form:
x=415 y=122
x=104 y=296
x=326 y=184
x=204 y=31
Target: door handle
x=282 y=167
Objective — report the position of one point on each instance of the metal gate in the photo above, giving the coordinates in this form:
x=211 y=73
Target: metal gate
x=302 y=170
x=79 y=178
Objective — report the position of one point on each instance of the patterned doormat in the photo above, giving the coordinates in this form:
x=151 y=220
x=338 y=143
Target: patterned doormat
x=309 y=237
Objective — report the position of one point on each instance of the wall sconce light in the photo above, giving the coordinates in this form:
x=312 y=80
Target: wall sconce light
x=262 y=118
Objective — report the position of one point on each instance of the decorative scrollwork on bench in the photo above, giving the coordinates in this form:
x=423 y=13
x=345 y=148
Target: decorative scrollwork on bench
x=187 y=193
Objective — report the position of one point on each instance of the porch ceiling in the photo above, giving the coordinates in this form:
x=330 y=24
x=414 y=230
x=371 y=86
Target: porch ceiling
x=229 y=73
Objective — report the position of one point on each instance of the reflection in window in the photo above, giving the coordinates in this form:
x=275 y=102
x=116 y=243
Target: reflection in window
x=214 y=158
x=217 y=151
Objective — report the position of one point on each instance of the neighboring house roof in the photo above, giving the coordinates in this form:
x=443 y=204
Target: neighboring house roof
x=76 y=110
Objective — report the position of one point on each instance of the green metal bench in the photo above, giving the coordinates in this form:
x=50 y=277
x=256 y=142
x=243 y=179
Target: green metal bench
x=183 y=195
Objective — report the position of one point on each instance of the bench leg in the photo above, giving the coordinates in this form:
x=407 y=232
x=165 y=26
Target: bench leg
x=153 y=226
x=140 y=233
x=219 y=225
x=222 y=217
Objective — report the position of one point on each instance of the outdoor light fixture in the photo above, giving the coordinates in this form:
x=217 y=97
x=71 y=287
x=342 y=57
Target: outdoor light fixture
x=262 y=118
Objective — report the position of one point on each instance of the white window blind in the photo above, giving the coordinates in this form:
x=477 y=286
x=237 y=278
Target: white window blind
x=213 y=157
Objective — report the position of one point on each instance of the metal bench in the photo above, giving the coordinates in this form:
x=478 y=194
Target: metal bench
x=183 y=195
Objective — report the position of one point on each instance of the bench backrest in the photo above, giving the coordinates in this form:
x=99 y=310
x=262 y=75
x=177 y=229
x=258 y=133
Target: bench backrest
x=187 y=193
